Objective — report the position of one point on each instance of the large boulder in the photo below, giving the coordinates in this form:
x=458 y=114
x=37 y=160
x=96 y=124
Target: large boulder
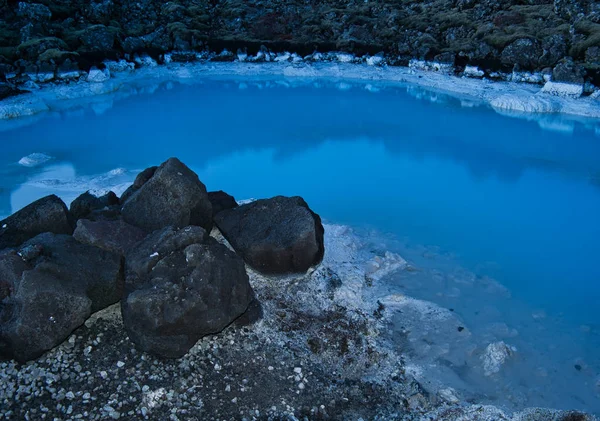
x=278 y=235
x=181 y=285
x=567 y=71
x=92 y=207
x=524 y=52
x=48 y=214
x=115 y=236
x=172 y=196
x=139 y=181
x=55 y=286
x=221 y=201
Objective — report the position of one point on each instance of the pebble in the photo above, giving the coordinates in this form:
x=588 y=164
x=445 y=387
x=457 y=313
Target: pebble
x=300 y=385
x=120 y=364
x=297 y=370
x=103 y=374
x=87 y=396
x=70 y=395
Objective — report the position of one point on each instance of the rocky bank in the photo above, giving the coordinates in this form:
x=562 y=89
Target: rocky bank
x=59 y=39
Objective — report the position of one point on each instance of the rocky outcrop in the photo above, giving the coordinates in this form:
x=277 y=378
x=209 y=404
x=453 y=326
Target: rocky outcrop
x=278 y=235
x=171 y=196
x=52 y=285
x=176 y=283
x=182 y=285
x=48 y=214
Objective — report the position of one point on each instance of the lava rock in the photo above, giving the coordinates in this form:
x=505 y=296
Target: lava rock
x=569 y=72
x=48 y=214
x=524 y=52
x=221 y=201
x=59 y=283
x=139 y=181
x=181 y=285
x=87 y=203
x=115 y=236
x=555 y=48
x=278 y=235
x=172 y=196
x=97 y=38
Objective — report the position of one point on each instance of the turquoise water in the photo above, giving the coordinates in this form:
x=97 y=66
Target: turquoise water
x=506 y=198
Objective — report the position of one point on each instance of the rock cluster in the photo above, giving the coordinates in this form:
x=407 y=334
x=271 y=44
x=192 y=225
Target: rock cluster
x=41 y=42
x=151 y=250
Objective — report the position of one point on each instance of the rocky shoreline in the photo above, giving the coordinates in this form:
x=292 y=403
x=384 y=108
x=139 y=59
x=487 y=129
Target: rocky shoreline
x=309 y=343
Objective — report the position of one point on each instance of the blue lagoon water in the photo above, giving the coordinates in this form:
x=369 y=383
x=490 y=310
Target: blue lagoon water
x=451 y=186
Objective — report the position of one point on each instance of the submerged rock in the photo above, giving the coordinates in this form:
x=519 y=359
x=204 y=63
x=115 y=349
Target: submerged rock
x=48 y=214
x=182 y=285
x=278 y=235
x=56 y=286
x=496 y=354
x=171 y=195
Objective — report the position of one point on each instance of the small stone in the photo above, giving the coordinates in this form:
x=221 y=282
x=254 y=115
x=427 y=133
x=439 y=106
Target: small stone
x=87 y=350
x=228 y=388
x=87 y=396
x=145 y=388
x=300 y=385
x=270 y=368
x=103 y=374
x=70 y=395
x=297 y=370
x=234 y=400
x=120 y=364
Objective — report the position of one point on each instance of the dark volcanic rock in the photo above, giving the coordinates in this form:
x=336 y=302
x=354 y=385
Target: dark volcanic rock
x=569 y=72
x=48 y=214
x=172 y=196
x=182 y=285
x=139 y=181
x=524 y=52
x=221 y=201
x=278 y=235
x=56 y=286
x=116 y=236
x=87 y=203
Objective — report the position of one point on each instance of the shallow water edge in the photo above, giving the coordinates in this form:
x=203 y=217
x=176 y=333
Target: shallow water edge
x=509 y=98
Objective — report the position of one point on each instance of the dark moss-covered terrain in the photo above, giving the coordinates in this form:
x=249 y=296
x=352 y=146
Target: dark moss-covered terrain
x=67 y=35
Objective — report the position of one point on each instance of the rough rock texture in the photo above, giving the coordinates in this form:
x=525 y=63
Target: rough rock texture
x=139 y=181
x=172 y=195
x=475 y=32
x=181 y=286
x=567 y=71
x=115 y=236
x=278 y=235
x=54 y=284
x=87 y=205
x=48 y=214
x=221 y=201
